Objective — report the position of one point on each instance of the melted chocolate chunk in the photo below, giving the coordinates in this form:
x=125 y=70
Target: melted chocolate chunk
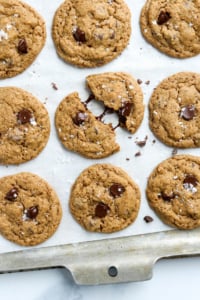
x=101 y=210
x=32 y=212
x=163 y=17
x=22 y=47
x=124 y=112
x=107 y=110
x=167 y=197
x=79 y=35
x=190 y=180
x=148 y=219
x=116 y=190
x=80 y=118
x=188 y=112
x=12 y=194
x=24 y=116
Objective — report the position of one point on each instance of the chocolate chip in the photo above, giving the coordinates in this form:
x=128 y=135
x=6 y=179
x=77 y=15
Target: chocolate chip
x=190 y=180
x=124 y=111
x=80 y=118
x=167 y=197
x=148 y=219
x=188 y=112
x=116 y=190
x=54 y=86
x=163 y=17
x=101 y=210
x=24 y=116
x=22 y=46
x=79 y=35
x=12 y=194
x=139 y=81
x=138 y=154
x=32 y=212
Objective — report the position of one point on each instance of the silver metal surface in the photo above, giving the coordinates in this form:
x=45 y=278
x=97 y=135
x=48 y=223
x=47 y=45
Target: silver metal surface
x=89 y=262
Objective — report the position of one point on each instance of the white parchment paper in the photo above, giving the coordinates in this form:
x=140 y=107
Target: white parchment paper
x=61 y=167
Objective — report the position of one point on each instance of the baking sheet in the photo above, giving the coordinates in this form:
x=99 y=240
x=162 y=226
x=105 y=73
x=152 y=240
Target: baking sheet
x=61 y=167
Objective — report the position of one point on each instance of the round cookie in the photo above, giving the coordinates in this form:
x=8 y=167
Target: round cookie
x=30 y=211
x=172 y=26
x=173 y=191
x=22 y=36
x=120 y=92
x=104 y=199
x=24 y=126
x=174 y=110
x=80 y=131
x=91 y=33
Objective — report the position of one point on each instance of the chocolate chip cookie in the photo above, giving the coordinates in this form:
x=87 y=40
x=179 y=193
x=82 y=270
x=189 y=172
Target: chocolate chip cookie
x=172 y=26
x=174 y=110
x=24 y=126
x=173 y=191
x=22 y=37
x=104 y=199
x=80 y=131
x=30 y=211
x=91 y=33
x=121 y=92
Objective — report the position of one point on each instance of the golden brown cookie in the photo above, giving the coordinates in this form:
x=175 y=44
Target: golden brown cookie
x=91 y=33
x=80 y=131
x=30 y=211
x=120 y=92
x=172 y=26
x=104 y=199
x=174 y=110
x=24 y=126
x=22 y=36
x=173 y=191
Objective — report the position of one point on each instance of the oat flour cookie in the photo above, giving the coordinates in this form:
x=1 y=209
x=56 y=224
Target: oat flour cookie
x=173 y=191
x=174 y=110
x=30 y=211
x=104 y=199
x=24 y=126
x=80 y=131
x=120 y=92
x=172 y=26
x=91 y=33
x=22 y=36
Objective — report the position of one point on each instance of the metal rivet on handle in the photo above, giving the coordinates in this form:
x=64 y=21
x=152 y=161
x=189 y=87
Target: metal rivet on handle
x=112 y=271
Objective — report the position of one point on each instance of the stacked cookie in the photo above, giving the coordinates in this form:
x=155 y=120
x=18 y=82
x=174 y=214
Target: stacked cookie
x=103 y=198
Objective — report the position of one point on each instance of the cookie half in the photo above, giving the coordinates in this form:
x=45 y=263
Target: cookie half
x=30 y=211
x=173 y=191
x=24 y=126
x=80 y=131
x=104 y=199
x=22 y=37
x=120 y=92
x=172 y=26
x=91 y=33
x=174 y=110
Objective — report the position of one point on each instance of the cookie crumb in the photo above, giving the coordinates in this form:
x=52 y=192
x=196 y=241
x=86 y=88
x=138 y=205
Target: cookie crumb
x=54 y=86
x=138 y=154
x=147 y=82
x=142 y=143
x=148 y=219
x=129 y=137
x=174 y=151
x=139 y=81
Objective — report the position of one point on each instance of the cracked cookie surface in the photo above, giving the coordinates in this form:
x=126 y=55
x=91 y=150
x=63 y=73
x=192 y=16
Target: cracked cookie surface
x=104 y=199
x=120 y=92
x=80 y=131
x=24 y=126
x=173 y=191
x=30 y=211
x=22 y=37
x=91 y=33
x=174 y=110
x=172 y=26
